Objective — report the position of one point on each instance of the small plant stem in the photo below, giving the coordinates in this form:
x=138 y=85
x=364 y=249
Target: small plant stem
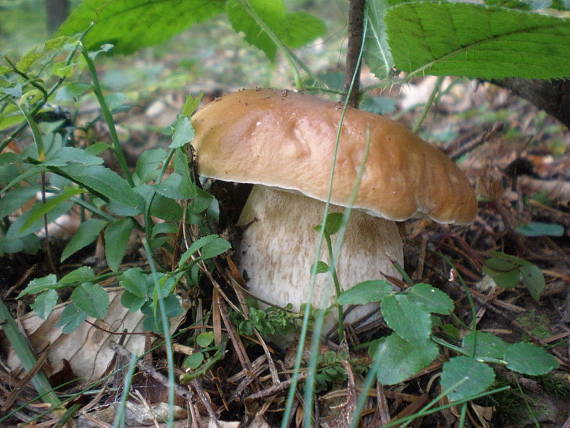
x=119 y=421
x=352 y=68
x=47 y=244
x=337 y=287
x=165 y=332
x=108 y=117
x=26 y=356
x=428 y=104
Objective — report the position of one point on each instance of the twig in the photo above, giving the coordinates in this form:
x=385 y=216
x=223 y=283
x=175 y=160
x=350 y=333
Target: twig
x=274 y=389
x=355 y=30
x=476 y=142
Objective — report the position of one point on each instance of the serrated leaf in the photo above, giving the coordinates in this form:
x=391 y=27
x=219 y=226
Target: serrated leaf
x=107 y=183
x=117 y=236
x=464 y=376
x=92 y=299
x=377 y=49
x=529 y=359
x=149 y=163
x=481 y=345
x=474 y=40
x=538 y=228
x=293 y=29
x=366 y=292
x=533 y=279
x=39 y=285
x=85 y=235
x=131 y=25
x=401 y=359
x=410 y=321
x=81 y=274
x=205 y=339
x=71 y=318
x=431 y=299
x=183 y=132
x=44 y=303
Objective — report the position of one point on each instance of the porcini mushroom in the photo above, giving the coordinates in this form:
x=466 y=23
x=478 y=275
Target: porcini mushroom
x=283 y=143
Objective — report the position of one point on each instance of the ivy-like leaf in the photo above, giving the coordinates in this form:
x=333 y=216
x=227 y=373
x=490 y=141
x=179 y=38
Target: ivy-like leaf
x=464 y=376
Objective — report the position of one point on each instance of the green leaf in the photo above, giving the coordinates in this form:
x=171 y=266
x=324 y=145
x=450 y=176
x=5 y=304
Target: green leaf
x=15 y=229
x=116 y=241
x=379 y=105
x=537 y=228
x=410 y=321
x=131 y=302
x=44 y=303
x=51 y=203
x=481 y=345
x=529 y=359
x=183 y=132
x=463 y=377
x=92 y=299
x=293 y=29
x=191 y=104
x=474 y=40
x=377 y=49
x=401 y=359
x=193 y=361
x=205 y=339
x=137 y=283
x=165 y=208
x=366 y=292
x=39 y=285
x=107 y=183
x=149 y=163
x=320 y=267
x=533 y=279
x=210 y=246
x=81 y=274
x=85 y=235
x=176 y=187
x=15 y=198
x=431 y=299
x=333 y=223
x=131 y=25
x=71 y=318
x=71 y=155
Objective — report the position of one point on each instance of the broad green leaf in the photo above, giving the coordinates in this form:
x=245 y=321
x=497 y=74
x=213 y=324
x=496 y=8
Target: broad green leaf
x=464 y=376
x=366 y=292
x=410 y=321
x=533 y=279
x=183 y=132
x=85 y=235
x=431 y=299
x=131 y=24
x=481 y=345
x=131 y=302
x=379 y=105
x=377 y=52
x=41 y=209
x=39 y=285
x=205 y=339
x=149 y=163
x=529 y=359
x=44 y=303
x=401 y=359
x=165 y=208
x=201 y=201
x=117 y=236
x=474 y=40
x=137 y=282
x=176 y=187
x=107 y=183
x=293 y=29
x=333 y=223
x=504 y=279
x=15 y=198
x=191 y=104
x=71 y=155
x=215 y=248
x=92 y=299
x=15 y=229
x=81 y=274
x=538 y=228
x=71 y=318
x=193 y=361
x=320 y=267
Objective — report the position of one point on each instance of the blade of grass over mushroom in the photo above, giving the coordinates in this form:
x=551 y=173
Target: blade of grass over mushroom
x=310 y=381
x=473 y=40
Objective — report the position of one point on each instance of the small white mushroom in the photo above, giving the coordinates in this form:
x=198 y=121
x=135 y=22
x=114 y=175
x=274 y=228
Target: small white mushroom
x=283 y=142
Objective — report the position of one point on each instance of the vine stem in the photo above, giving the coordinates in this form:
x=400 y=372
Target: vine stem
x=355 y=31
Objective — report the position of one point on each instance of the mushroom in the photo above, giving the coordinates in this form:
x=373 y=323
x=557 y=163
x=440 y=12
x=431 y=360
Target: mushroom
x=283 y=143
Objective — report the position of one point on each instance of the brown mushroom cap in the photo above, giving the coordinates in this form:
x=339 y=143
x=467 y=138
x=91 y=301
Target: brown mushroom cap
x=286 y=140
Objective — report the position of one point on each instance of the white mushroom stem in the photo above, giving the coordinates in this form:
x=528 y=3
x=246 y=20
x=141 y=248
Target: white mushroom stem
x=279 y=242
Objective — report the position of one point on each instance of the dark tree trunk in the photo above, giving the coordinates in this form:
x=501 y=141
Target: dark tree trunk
x=553 y=96
x=56 y=12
